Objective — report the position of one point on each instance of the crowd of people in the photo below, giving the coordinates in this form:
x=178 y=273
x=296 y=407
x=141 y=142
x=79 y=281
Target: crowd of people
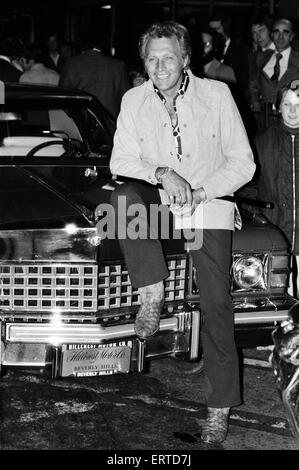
x=183 y=141
x=246 y=66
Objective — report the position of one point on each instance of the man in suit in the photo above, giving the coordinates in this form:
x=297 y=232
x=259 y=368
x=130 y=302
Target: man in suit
x=52 y=58
x=278 y=68
x=102 y=76
x=235 y=52
x=262 y=49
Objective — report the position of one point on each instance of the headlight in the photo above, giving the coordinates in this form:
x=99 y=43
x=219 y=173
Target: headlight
x=249 y=272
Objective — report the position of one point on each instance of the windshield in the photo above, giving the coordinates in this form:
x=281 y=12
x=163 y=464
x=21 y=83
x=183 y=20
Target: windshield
x=26 y=124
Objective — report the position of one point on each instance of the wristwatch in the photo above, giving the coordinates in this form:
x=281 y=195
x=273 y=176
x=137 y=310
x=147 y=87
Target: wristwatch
x=162 y=171
x=202 y=193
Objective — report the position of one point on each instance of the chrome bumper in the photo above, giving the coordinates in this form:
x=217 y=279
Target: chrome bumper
x=260 y=317
x=30 y=344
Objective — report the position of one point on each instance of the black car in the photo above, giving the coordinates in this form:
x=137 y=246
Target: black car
x=67 y=305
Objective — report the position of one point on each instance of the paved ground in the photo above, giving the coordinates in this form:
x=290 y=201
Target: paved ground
x=160 y=410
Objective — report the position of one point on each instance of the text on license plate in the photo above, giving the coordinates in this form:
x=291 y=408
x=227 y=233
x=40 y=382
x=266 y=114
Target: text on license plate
x=86 y=360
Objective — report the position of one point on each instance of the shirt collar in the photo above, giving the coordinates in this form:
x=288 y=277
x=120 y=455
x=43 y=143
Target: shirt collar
x=182 y=90
x=198 y=90
x=285 y=52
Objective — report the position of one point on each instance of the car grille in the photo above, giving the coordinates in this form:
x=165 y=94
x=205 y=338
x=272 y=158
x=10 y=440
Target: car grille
x=115 y=289
x=44 y=287
x=78 y=287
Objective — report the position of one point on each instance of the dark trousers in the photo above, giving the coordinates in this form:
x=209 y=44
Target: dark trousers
x=146 y=265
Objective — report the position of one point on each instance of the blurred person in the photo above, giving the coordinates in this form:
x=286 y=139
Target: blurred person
x=278 y=180
x=137 y=78
x=235 y=53
x=213 y=45
x=106 y=78
x=185 y=134
x=51 y=58
x=34 y=70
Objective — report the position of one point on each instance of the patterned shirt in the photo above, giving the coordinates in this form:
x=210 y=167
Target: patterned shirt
x=175 y=128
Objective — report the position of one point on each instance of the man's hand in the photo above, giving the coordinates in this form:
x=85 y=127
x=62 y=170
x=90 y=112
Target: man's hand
x=177 y=188
x=198 y=196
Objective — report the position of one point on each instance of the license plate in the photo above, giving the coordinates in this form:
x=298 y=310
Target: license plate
x=89 y=360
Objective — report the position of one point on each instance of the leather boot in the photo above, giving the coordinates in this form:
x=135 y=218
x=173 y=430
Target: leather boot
x=216 y=426
x=151 y=303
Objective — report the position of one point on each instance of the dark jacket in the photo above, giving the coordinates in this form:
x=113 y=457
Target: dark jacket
x=267 y=89
x=278 y=180
x=8 y=72
x=104 y=77
x=256 y=61
x=236 y=57
x=50 y=64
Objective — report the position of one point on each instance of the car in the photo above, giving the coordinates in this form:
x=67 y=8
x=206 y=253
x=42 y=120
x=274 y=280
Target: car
x=67 y=306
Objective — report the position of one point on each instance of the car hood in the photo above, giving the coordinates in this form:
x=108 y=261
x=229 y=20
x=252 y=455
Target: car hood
x=255 y=237
x=32 y=200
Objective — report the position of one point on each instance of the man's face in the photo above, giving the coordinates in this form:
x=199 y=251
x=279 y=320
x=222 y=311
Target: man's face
x=164 y=64
x=282 y=35
x=217 y=26
x=260 y=35
x=52 y=44
x=289 y=109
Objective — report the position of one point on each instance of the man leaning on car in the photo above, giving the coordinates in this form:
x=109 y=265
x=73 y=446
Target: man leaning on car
x=186 y=134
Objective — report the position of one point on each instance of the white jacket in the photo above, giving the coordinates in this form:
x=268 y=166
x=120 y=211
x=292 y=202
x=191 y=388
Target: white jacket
x=216 y=150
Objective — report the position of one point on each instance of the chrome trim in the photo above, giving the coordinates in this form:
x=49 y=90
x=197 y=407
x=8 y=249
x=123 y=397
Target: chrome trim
x=258 y=316
x=55 y=362
x=261 y=285
x=48 y=287
x=63 y=245
x=141 y=356
x=195 y=335
x=293 y=193
x=115 y=289
x=25 y=364
x=74 y=333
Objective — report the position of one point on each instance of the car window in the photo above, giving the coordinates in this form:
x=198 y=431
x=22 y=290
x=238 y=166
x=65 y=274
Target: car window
x=100 y=137
x=24 y=127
